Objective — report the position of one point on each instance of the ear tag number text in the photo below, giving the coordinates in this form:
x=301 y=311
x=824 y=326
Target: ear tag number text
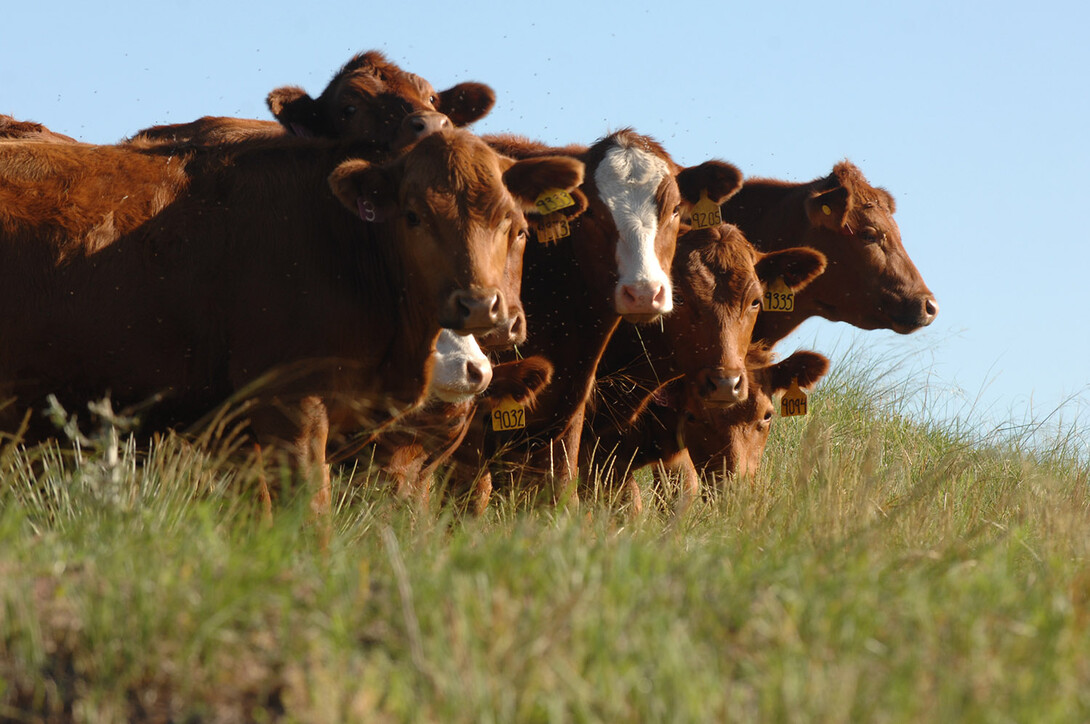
x=705 y=213
x=793 y=402
x=552 y=200
x=553 y=227
x=509 y=415
x=778 y=297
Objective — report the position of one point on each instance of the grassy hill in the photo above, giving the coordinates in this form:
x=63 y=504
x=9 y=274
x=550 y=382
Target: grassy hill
x=877 y=569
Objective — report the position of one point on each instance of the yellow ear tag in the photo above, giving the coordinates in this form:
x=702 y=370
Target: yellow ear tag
x=509 y=415
x=552 y=200
x=705 y=213
x=553 y=227
x=778 y=297
x=793 y=402
x=826 y=210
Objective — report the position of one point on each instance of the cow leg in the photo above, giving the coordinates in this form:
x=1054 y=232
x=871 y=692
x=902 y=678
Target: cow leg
x=482 y=491
x=564 y=483
x=264 y=497
x=310 y=450
x=635 y=497
x=688 y=478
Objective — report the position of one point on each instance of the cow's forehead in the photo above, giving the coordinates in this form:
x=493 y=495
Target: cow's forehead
x=456 y=173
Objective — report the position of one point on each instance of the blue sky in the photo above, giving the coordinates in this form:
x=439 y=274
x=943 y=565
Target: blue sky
x=974 y=115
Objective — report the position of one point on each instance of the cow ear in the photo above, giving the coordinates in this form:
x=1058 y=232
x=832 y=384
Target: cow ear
x=797 y=267
x=365 y=189
x=297 y=112
x=522 y=380
x=719 y=179
x=528 y=178
x=829 y=208
x=466 y=102
x=806 y=367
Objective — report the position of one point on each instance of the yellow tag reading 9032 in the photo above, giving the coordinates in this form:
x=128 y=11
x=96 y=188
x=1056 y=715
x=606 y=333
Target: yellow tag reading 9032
x=778 y=298
x=793 y=402
x=552 y=200
x=705 y=213
x=509 y=415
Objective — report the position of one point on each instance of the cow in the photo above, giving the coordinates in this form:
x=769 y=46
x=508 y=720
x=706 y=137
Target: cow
x=730 y=442
x=10 y=129
x=649 y=377
x=367 y=100
x=285 y=274
x=870 y=282
x=613 y=265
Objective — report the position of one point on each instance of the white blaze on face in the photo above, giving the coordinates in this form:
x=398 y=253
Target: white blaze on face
x=461 y=369
x=627 y=181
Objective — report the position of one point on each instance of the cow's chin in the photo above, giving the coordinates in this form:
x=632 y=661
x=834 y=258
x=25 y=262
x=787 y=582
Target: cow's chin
x=454 y=396
x=642 y=318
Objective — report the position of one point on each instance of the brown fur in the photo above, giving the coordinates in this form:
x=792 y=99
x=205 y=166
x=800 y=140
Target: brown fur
x=366 y=100
x=870 y=283
x=232 y=273
x=13 y=129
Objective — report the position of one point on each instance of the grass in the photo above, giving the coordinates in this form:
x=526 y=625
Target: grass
x=878 y=569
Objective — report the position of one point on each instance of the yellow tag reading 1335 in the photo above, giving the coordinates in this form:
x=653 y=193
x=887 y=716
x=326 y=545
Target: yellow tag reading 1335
x=778 y=298
x=553 y=227
x=793 y=402
x=706 y=213
x=509 y=415
x=552 y=200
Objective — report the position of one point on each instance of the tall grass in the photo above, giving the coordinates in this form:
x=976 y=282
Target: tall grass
x=879 y=567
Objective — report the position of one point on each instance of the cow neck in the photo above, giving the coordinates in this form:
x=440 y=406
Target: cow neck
x=570 y=318
x=356 y=282
x=772 y=215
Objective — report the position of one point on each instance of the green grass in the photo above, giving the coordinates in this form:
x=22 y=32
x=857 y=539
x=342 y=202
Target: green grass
x=878 y=569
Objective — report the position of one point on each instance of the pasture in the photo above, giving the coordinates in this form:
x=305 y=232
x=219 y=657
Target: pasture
x=878 y=568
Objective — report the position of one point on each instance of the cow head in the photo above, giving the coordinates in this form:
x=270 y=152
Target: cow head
x=732 y=441
x=368 y=99
x=720 y=281
x=456 y=208
x=851 y=223
x=639 y=196
x=460 y=370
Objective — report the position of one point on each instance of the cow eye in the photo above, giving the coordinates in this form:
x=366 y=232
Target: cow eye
x=869 y=234
x=412 y=219
x=432 y=100
x=768 y=416
x=348 y=111
x=755 y=304
x=677 y=210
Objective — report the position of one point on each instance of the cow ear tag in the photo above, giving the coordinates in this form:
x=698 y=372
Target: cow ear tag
x=508 y=415
x=705 y=213
x=826 y=210
x=552 y=227
x=793 y=402
x=552 y=200
x=778 y=297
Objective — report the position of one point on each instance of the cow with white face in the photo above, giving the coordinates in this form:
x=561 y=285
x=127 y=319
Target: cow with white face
x=460 y=370
x=613 y=264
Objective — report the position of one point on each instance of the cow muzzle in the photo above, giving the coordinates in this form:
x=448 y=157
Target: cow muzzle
x=474 y=312
x=418 y=125
x=722 y=388
x=643 y=301
x=917 y=313
x=506 y=334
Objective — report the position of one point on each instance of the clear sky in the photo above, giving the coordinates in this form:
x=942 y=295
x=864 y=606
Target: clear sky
x=975 y=115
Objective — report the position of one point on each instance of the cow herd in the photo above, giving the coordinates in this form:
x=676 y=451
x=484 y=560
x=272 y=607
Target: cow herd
x=364 y=278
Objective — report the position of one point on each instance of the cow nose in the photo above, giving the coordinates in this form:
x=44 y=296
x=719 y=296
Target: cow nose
x=643 y=298
x=723 y=387
x=477 y=376
x=930 y=310
x=418 y=125
x=478 y=312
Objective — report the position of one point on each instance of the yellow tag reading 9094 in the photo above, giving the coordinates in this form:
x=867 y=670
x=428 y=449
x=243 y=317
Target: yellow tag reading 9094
x=793 y=402
x=509 y=415
x=705 y=213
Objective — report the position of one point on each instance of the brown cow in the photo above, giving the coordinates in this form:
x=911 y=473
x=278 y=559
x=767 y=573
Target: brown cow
x=29 y=131
x=731 y=441
x=366 y=100
x=233 y=273
x=613 y=265
x=648 y=377
x=870 y=282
